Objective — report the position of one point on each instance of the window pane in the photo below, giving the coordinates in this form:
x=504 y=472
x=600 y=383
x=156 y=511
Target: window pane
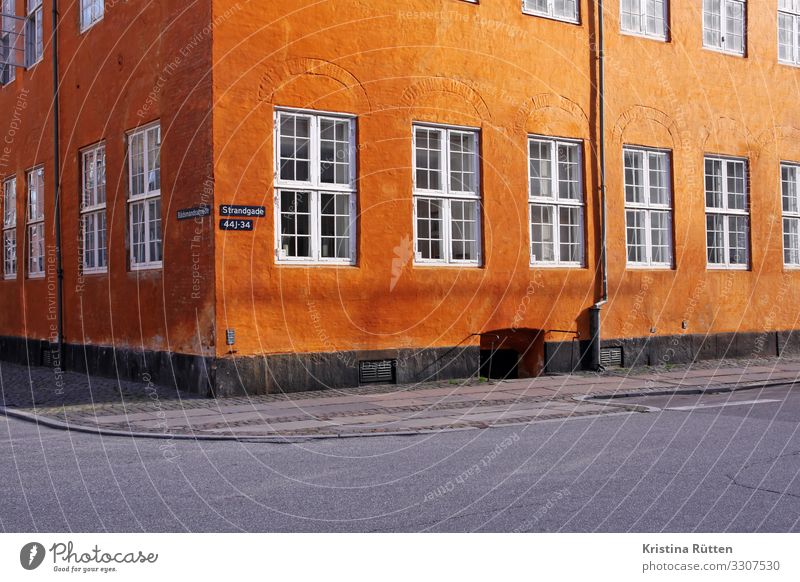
x=295 y=147
x=789 y=190
x=541 y=168
x=661 y=237
x=429 y=228
x=659 y=178
x=154 y=159
x=464 y=221
x=734 y=26
x=791 y=241
x=714 y=197
x=335 y=225
x=654 y=19
x=89 y=230
x=138 y=243
x=566 y=9
x=36 y=249
x=715 y=239
x=295 y=224
x=10 y=202
x=737 y=198
x=636 y=236
x=569 y=234
x=9 y=253
x=428 y=154
x=102 y=247
x=786 y=38
x=334 y=151
x=36 y=195
x=712 y=23
x=634 y=176
x=569 y=172
x=154 y=229
x=737 y=237
x=631 y=15
x=542 y=233
x=463 y=173
x=136 y=163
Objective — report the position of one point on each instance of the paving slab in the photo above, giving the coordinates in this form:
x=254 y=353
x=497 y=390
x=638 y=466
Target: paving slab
x=129 y=407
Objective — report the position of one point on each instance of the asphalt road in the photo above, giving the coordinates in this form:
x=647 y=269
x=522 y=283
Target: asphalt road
x=715 y=468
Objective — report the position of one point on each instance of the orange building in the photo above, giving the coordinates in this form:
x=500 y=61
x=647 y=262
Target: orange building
x=281 y=195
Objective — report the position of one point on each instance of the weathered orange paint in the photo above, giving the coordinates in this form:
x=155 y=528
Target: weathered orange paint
x=107 y=76
x=391 y=63
x=509 y=74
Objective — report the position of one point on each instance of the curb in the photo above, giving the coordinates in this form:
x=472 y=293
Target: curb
x=722 y=389
x=277 y=439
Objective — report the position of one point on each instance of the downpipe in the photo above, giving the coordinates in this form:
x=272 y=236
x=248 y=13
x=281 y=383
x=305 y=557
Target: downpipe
x=59 y=361
x=595 y=312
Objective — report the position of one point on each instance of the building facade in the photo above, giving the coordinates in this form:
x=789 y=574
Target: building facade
x=289 y=195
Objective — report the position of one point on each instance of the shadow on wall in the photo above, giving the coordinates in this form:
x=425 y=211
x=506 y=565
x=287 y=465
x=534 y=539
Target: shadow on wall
x=512 y=353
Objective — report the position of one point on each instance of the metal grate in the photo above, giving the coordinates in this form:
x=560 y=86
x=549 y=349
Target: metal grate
x=377 y=372
x=611 y=357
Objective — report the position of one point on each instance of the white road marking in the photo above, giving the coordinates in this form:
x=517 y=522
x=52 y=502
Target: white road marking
x=703 y=406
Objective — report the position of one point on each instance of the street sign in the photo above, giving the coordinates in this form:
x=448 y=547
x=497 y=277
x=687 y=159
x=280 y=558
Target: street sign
x=194 y=212
x=236 y=224
x=244 y=211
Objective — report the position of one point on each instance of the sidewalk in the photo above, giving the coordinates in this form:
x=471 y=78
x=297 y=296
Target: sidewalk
x=95 y=404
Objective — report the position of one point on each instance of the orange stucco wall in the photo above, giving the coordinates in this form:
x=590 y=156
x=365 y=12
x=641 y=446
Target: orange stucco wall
x=213 y=72
x=142 y=62
x=490 y=67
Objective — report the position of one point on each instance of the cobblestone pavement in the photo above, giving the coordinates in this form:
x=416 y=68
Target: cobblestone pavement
x=92 y=402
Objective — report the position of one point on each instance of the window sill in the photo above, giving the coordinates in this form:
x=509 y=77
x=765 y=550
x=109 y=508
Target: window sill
x=557 y=266
x=444 y=265
x=727 y=267
x=147 y=267
x=32 y=65
x=644 y=36
x=724 y=52
x=91 y=272
x=36 y=276
x=91 y=25
x=574 y=21
x=642 y=267
x=310 y=263
x=10 y=278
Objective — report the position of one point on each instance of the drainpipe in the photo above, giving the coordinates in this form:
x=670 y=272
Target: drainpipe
x=595 y=310
x=57 y=188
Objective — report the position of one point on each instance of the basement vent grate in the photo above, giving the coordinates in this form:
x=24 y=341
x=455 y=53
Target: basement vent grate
x=377 y=372
x=611 y=357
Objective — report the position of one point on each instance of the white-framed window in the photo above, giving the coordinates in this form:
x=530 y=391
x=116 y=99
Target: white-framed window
x=8 y=42
x=144 y=197
x=644 y=17
x=724 y=25
x=727 y=212
x=35 y=180
x=10 y=228
x=94 y=256
x=91 y=12
x=556 y=205
x=648 y=207
x=790 y=195
x=315 y=187
x=566 y=10
x=447 y=201
x=789 y=31
x=34 y=33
